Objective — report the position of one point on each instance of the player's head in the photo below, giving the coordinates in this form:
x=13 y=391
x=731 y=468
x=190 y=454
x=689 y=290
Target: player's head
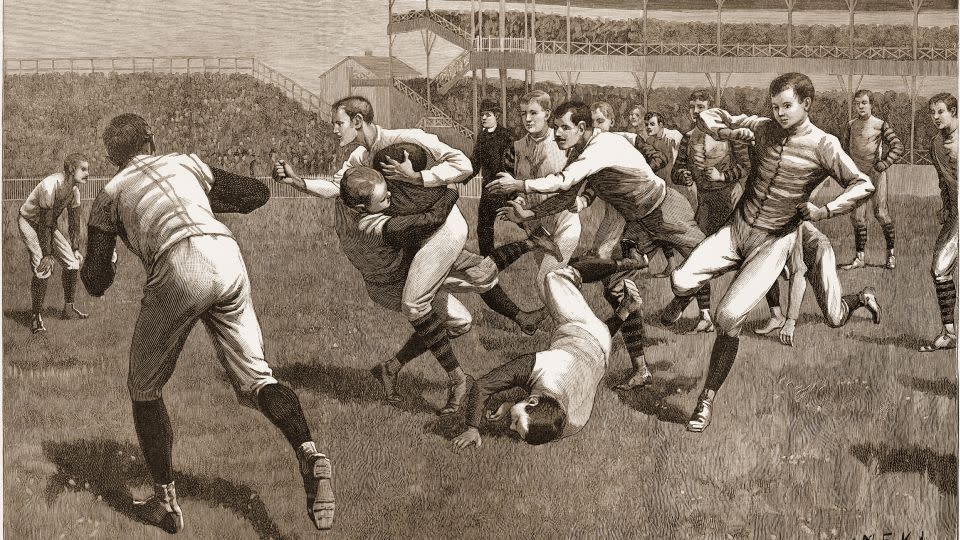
x=364 y=189
x=653 y=123
x=602 y=116
x=572 y=123
x=348 y=116
x=538 y=419
x=489 y=110
x=399 y=152
x=535 y=109
x=863 y=103
x=126 y=136
x=699 y=101
x=636 y=117
x=943 y=110
x=791 y=95
x=76 y=166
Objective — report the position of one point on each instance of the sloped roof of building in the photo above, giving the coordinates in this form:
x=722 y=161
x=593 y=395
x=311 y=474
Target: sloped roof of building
x=379 y=66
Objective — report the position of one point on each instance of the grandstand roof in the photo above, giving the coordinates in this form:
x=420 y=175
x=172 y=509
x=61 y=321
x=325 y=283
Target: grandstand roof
x=379 y=66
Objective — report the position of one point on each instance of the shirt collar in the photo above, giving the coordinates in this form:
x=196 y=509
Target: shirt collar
x=549 y=135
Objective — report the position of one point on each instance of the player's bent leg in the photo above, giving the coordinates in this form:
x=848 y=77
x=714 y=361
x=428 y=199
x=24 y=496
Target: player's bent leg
x=155 y=436
x=776 y=320
x=943 y=269
x=565 y=229
x=430 y=266
x=38 y=283
x=713 y=257
x=69 y=276
x=859 y=220
x=633 y=335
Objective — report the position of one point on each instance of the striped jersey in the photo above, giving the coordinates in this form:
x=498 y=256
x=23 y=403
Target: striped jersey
x=870 y=141
x=943 y=154
x=699 y=151
x=51 y=194
x=668 y=143
x=155 y=202
x=789 y=166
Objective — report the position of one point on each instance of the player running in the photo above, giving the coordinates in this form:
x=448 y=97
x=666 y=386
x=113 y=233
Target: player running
x=793 y=157
x=874 y=147
x=943 y=154
x=37 y=222
x=162 y=207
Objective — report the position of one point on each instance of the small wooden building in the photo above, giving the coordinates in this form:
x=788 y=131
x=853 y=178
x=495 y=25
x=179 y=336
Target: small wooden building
x=368 y=76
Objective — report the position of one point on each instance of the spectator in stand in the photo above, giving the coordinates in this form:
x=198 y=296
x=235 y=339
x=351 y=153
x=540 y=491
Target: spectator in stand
x=493 y=141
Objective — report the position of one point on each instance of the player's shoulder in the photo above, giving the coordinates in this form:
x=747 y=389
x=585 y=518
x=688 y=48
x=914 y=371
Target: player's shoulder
x=52 y=182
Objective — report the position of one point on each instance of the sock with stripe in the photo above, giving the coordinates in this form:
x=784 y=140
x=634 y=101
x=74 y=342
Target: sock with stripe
x=430 y=328
x=889 y=234
x=508 y=254
x=860 y=237
x=947 y=298
x=703 y=297
x=497 y=300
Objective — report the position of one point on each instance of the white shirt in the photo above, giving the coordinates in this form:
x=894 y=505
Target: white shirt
x=50 y=194
x=155 y=202
x=452 y=166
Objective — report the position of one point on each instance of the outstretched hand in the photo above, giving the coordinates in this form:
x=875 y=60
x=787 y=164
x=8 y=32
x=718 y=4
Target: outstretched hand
x=786 y=332
x=505 y=184
x=469 y=437
x=739 y=134
x=515 y=212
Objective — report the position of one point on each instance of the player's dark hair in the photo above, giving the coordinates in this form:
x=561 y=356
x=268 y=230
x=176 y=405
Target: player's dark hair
x=947 y=99
x=579 y=112
x=418 y=156
x=653 y=114
x=864 y=92
x=801 y=84
x=357 y=185
x=124 y=136
x=546 y=420
x=354 y=105
x=72 y=162
x=701 y=95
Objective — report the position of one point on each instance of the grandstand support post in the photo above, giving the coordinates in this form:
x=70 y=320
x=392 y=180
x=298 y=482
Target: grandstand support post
x=915 y=5
x=429 y=38
x=473 y=78
x=719 y=23
x=852 y=8
x=790 y=5
x=503 y=48
x=390 y=38
x=483 y=71
x=569 y=49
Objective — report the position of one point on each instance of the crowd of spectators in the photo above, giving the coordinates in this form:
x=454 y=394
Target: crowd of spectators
x=231 y=121
x=597 y=30
x=829 y=108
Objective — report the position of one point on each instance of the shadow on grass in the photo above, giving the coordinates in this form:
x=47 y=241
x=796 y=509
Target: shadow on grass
x=938 y=387
x=940 y=469
x=107 y=468
x=354 y=385
x=903 y=341
x=23 y=316
x=651 y=399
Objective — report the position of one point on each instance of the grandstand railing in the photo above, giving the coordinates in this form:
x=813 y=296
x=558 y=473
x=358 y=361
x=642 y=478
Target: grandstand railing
x=307 y=99
x=435 y=17
x=738 y=50
x=130 y=64
x=432 y=110
x=454 y=69
x=17 y=189
x=512 y=44
x=170 y=64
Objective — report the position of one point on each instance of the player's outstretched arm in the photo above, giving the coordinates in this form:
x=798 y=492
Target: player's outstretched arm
x=98 y=270
x=233 y=193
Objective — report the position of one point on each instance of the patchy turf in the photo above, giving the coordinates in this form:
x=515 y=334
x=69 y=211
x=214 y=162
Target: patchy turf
x=850 y=432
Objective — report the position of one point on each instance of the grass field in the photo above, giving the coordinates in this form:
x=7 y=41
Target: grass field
x=850 y=432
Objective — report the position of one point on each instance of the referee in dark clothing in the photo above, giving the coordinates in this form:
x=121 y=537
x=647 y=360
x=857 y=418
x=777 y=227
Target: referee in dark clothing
x=493 y=140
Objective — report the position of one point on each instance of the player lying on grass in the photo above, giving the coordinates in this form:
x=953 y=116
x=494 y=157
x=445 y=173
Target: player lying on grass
x=381 y=246
x=162 y=207
x=812 y=260
x=561 y=382
x=792 y=158
x=38 y=229
x=943 y=154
